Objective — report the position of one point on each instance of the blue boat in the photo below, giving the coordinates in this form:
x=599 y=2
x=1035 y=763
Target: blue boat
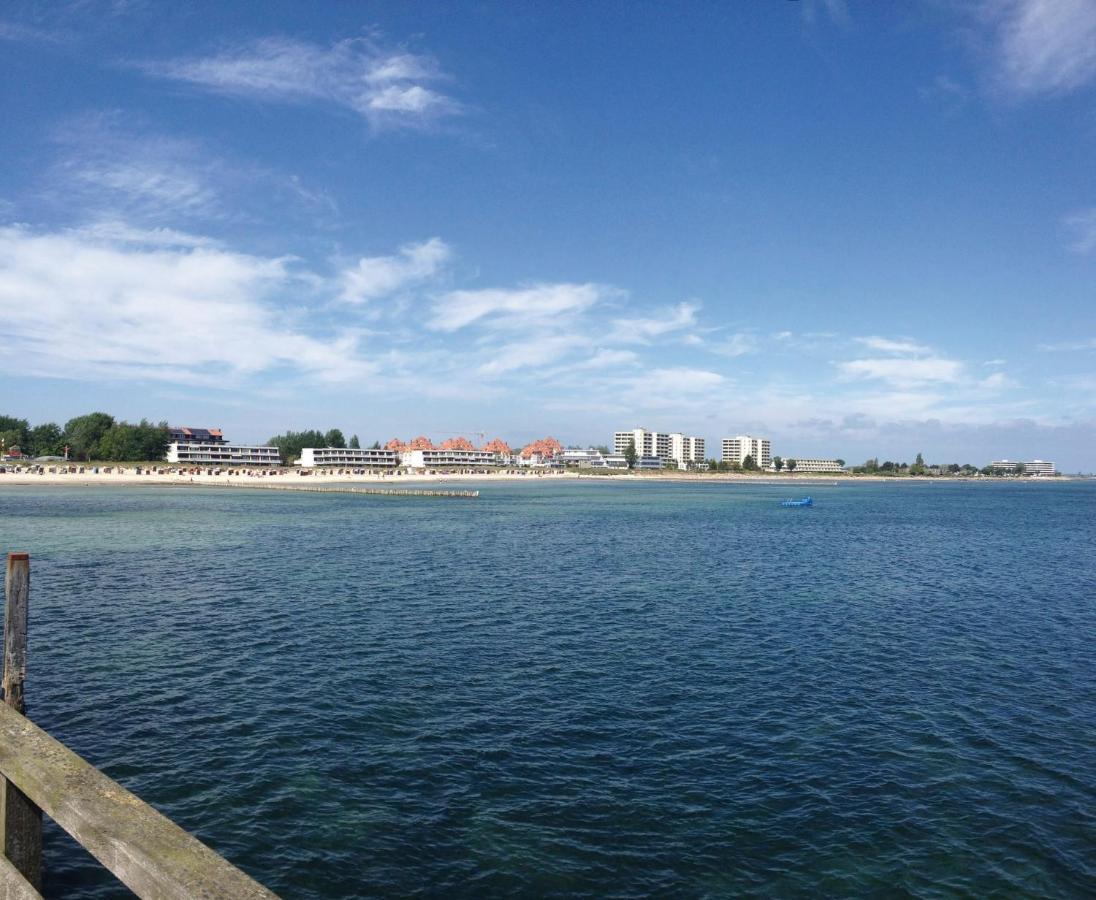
x=806 y=501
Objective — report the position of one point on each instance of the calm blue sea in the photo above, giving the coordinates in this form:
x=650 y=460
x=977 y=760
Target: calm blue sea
x=600 y=690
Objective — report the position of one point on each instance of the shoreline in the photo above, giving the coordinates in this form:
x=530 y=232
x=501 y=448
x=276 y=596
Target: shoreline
x=295 y=478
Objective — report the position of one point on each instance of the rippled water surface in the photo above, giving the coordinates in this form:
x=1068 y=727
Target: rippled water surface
x=582 y=689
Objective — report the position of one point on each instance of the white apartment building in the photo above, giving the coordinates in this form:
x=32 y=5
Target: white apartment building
x=1035 y=467
x=444 y=459
x=367 y=458
x=812 y=464
x=204 y=453
x=736 y=449
x=669 y=447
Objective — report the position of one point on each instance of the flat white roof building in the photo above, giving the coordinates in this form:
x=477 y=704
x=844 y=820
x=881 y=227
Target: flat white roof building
x=813 y=464
x=672 y=447
x=736 y=449
x=444 y=459
x=1035 y=467
x=367 y=457
x=205 y=453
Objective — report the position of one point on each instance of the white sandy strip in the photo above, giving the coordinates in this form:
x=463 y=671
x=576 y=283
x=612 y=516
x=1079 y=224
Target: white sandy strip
x=295 y=477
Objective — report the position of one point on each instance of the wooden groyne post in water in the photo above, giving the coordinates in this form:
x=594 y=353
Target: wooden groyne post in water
x=147 y=852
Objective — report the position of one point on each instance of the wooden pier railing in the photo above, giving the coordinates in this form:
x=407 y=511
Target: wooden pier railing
x=144 y=849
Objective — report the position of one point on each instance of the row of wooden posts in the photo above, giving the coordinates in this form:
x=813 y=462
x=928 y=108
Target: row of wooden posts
x=144 y=849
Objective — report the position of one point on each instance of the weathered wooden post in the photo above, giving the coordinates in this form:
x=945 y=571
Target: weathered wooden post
x=20 y=820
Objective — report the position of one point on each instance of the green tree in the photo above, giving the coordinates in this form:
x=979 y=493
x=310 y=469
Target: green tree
x=11 y=439
x=334 y=438
x=46 y=440
x=1019 y=469
x=14 y=432
x=630 y=454
x=749 y=463
x=84 y=433
x=376 y=445
x=142 y=442
x=791 y=464
x=354 y=444
x=840 y=462
x=778 y=463
x=291 y=443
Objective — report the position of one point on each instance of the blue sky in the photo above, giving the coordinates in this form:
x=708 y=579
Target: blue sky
x=860 y=230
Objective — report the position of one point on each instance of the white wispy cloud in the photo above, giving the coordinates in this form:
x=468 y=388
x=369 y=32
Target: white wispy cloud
x=1043 y=46
x=377 y=276
x=113 y=165
x=509 y=308
x=1069 y=346
x=904 y=371
x=608 y=359
x=738 y=344
x=533 y=353
x=889 y=345
x=997 y=381
x=388 y=88
x=1082 y=225
x=642 y=330
x=96 y=306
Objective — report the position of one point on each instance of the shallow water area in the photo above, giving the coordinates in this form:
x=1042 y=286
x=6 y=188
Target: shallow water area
x=582 y=688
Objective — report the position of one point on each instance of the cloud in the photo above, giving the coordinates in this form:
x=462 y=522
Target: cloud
x=642 y=330
x=112 y=165
x=608 y=359
x=997 y=381
x=887 y=345
x=84 y=305
x=1043 y=46
x=904 y=371
x=117 y=231
x=1083 y=226
x=532 y=306
x=1069 y=346
x=738 y=344
x=377 y=276
x=14 y=31
x=387 y=88
x=538 y=351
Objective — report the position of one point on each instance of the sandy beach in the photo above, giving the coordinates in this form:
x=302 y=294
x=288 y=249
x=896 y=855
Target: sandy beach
x=77 y=476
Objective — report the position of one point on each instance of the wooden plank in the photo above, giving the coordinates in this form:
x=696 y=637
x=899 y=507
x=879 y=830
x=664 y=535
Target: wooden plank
x=148 y=852
x=13 y=886
x=17 y=594
x=20 y=819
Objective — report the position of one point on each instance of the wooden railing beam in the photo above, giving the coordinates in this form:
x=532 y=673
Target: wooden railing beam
x=147 y=852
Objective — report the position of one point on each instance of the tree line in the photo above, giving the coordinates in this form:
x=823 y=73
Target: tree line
x=96 y=435
x=292 y=443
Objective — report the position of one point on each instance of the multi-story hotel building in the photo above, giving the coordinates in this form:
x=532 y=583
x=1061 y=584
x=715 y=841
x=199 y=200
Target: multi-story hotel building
x=368 y=457
x=673 y=447
x=444 y=459
x=811 y=464
x=736 y=449
x=1035 y=467
x=207 y=446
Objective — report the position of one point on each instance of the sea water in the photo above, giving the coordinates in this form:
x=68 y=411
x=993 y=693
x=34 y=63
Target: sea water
x=585 y=689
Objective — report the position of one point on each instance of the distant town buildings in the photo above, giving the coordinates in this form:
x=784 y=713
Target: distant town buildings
x=673 y=448
x=1035 y=467
x=736 y=449
x=208 y=446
